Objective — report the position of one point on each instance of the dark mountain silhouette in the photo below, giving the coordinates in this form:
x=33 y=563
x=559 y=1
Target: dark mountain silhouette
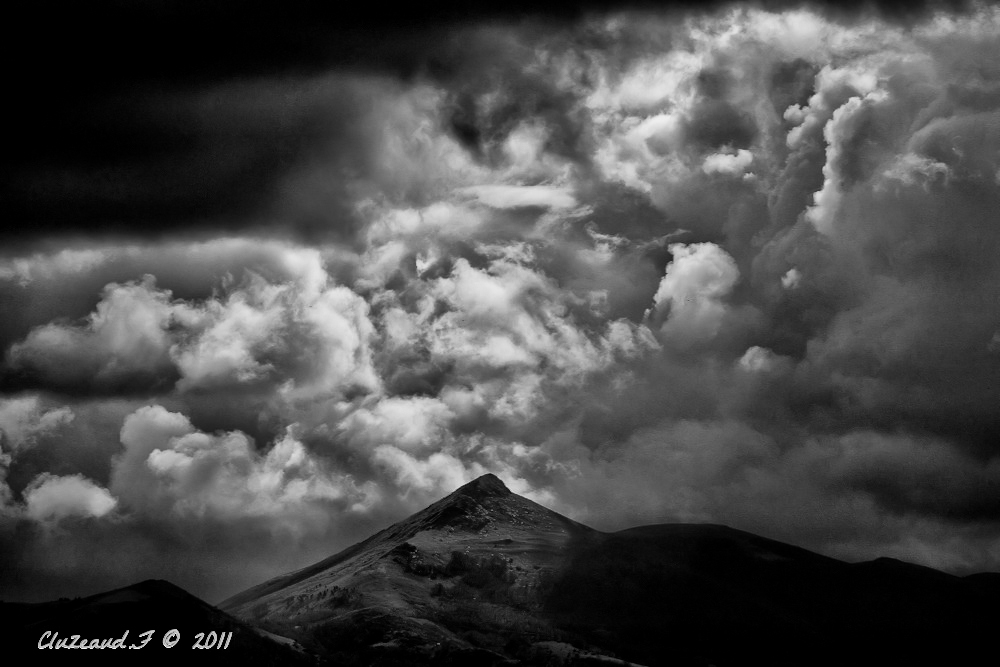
x=485 y=576
x=149 y=605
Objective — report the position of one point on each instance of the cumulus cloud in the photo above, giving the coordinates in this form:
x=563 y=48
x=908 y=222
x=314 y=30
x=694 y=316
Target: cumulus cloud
x=437 y=473
x=411 y=423
x=509 y=333
x=836 y=132
x=51 y=497
x=250 y=336
x=168 y=466
x=691 y=297
x=124 y=340
x=725 y=163
x=23 y=419
x=911 y=169
x=791 y=278
x=736 y=265
x=761 y=360
x=140 y=336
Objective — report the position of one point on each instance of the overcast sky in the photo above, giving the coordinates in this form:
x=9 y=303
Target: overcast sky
x=272 y=278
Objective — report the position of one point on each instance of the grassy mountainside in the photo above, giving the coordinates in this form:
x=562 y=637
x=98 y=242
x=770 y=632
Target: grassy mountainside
x=149 y=605
x=459 y=581
x=487 y=577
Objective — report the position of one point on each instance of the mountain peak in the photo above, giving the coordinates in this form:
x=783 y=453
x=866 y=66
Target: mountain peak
x=488 y=485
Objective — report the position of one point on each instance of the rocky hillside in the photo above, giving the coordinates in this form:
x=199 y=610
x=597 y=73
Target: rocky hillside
x=485 y=576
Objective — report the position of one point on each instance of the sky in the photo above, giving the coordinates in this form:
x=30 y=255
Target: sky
x=273 y=277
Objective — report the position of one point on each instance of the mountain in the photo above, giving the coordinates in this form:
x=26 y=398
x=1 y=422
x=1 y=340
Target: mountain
x=150 y=605
x=453 y=582
x=487 y=577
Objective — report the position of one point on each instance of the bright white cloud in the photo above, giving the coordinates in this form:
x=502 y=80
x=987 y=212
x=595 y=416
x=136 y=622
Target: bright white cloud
x=791 y=279
x=513 y=320
x=438 y=474
x=51 y=497
x=761 y=360
x=731 y=164
x=168 y=465
x=126 y=336
x=303 y=333
x=413 y=423
x=690 y=298
x=837 y=132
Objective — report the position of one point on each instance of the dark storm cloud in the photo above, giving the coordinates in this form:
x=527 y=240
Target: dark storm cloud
x=160 y=117
x=165 y=117
x=39 y=563
x=713 y=122
x=729 y=265
x=162 y=161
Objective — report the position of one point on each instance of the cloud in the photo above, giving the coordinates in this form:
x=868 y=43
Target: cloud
x=23 y=420
x=725 y=163
x=791 y=278
x=511 y=196
x=690 y=299
x=123 y=341
x=411 y=423
x=6 y=496
x=168 y=466
x=247 y=338
x=433 y=476
x=508 y=323
x=837 y=131
x=50 y=497
x=139 y=336
x=761 y=360
x=846 y=493
x=911 y=169
x=735 y=265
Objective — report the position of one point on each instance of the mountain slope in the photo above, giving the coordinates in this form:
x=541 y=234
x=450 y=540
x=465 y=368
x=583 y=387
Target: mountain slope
x=485 y=576
x=700 y=594
x=481 y=517
x=149 y=605
x=482 y=546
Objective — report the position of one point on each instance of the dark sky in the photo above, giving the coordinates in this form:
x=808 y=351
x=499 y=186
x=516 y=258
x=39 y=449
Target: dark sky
x=274 y=275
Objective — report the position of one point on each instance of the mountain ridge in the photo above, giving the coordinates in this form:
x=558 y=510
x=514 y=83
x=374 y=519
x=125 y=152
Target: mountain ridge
x=485 y=576
x=129 y=612
x=471 y=507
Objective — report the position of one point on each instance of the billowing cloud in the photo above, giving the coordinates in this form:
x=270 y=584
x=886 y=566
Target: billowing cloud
x=123 y=341
x=691 y=297
x=412 y=423
x=23 y=419
x=168 y=466
x=50 y=497
x=760 y=360
x=726 y=163
x=437 y=473
x=733 y=265
x=139 y=336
